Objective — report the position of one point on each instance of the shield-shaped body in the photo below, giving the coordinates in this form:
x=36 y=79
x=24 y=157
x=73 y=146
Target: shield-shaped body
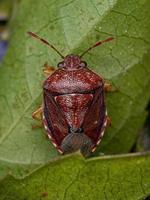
x=74 y=109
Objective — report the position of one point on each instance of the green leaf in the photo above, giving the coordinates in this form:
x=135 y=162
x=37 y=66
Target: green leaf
x=72 y=26
x=117 y=178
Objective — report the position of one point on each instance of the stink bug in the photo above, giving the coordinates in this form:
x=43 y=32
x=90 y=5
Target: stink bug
x=73 y=111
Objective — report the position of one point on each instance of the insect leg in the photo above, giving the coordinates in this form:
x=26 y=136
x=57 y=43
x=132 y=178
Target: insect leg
x=109 y=88
x=48 y=70
x=35 y=126
x=38 y=113
x=108 y=121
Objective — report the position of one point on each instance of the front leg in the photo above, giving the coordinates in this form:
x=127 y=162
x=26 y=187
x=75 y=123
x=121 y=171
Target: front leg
x=38 y=113
x=48 y=70
x=108 y=119
x=109 y=88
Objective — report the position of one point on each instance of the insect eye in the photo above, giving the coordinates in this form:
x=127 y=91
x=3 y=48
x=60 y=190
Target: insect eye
x=83 y=64
x=60 y=65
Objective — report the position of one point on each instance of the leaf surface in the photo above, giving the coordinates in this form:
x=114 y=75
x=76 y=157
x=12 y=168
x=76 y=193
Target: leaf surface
x=73 y=178
x=72 y=26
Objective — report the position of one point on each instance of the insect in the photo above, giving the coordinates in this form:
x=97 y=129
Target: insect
x=73 y=111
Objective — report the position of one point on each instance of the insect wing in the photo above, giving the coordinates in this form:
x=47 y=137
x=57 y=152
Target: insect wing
x=94 y=122
x=54 y=121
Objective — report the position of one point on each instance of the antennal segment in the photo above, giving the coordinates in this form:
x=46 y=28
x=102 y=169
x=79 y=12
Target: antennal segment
x=97 y=44
x=45 y=42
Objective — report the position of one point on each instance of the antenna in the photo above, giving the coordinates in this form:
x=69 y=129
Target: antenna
x=97 y=44
x=45 y=42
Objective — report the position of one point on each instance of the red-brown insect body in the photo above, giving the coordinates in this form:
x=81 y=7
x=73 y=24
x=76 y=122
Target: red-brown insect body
x=74 y=113
x=74 y=99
